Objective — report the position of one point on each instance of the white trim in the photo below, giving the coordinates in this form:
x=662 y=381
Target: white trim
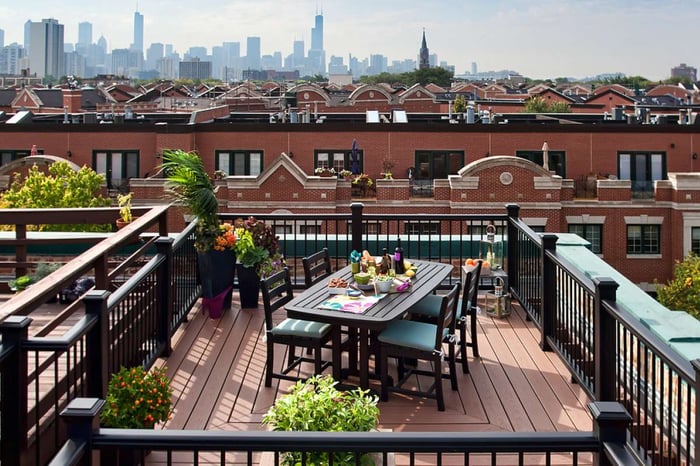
x=643 y=220
x=585 y=219
x=690 y=220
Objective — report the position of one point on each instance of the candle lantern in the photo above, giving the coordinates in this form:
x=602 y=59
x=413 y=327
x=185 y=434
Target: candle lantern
x=497 y=301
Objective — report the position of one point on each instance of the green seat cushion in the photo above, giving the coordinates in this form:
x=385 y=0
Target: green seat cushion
x=409 y=333
x=428 y=306
x=301 y=328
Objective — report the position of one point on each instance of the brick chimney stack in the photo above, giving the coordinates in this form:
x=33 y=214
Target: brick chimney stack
x=72 y=100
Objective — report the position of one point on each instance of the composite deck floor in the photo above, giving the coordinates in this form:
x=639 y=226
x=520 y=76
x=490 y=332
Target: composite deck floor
x=217 y=371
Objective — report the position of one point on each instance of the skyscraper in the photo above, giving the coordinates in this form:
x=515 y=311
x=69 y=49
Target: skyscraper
x=46 y=48
x=424 y=55
x=138 y=32
x=317 y=56
x=84 y=34
x=253 y=53
x=2 y=38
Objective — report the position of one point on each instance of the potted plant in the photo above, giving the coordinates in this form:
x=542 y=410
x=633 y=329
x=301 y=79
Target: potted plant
x=20 y=283
x=346 y=174
x=363 y=182
x=318 y=405
x=188 y=182
x=258 y=256
x=44 y=269
x=125 y=214
x=136 y=399
x=325 y=171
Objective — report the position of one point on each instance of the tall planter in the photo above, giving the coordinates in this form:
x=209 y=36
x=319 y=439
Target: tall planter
x=216 y=272
x=249 y=286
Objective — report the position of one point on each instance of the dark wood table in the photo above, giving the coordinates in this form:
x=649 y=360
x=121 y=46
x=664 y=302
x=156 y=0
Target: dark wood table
x=393 y=306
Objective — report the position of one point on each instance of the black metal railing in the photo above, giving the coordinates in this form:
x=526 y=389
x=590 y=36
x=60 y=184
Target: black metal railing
x=612 y=356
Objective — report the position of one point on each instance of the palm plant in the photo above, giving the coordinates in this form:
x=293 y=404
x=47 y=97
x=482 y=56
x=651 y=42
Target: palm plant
x=189 y=183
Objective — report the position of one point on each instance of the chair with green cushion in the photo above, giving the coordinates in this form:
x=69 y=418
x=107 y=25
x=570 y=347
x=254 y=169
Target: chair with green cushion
x=468 y=310
x=421 y=341
x=276 y=292
x=317 y=266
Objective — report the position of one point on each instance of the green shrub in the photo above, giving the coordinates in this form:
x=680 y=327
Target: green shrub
x=61 y=187
x=682 y=292
x=317 y=405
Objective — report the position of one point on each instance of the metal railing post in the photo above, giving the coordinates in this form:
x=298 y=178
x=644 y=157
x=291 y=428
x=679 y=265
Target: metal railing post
x=548 y=291
x=14 y=330
x=82 y=419
x=610 y=424
x=604 y=337
x=166 y=282
x=97 y=352
x=513 y=247
x=696 y=365
x=356 y=223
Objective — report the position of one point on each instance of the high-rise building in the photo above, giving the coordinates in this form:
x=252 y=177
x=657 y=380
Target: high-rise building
x=232 y=61
x=84 y=35
x=155 y=52
x=138 y=32
x=46 y=48
x=2 y=38
x=424 y=54
x=317 y=56
x=253 y=53
x=195 y=69
x=684 y=71
x=10 y=56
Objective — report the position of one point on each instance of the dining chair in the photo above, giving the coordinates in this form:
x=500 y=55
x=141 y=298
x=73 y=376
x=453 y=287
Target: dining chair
x=468 y=310
x=421 y=341
x=317 y=266
x=276 y=292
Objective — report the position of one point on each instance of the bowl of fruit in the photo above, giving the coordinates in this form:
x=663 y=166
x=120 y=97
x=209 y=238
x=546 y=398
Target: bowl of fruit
x=470 y=264
x=337 y=286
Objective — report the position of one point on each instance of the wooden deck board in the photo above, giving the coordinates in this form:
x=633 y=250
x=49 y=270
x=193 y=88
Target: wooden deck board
x=217 y=368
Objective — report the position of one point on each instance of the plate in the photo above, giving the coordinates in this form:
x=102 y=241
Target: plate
x=366 y=287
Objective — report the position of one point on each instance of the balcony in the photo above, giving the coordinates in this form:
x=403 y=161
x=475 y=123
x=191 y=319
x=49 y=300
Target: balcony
x=518 y=399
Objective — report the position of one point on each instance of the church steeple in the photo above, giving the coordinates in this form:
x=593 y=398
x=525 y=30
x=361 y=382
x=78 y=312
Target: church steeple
x=424 y=57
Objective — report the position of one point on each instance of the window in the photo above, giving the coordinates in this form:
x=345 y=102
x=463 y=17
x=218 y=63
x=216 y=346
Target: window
x=373 y=228
x=591 y=232
x=695 y=240
x=643 y=239
x=239 y=162
x=556 y=159
x=437 y=164
x=117 y=166
x=310 y=229
x=338 y=159
x=422 y=228
x=642 y=168
x=9 y=155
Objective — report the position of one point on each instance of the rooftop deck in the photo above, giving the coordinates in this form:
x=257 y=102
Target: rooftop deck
x=217 y=369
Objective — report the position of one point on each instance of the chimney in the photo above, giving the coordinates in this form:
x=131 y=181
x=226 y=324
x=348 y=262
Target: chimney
x=72 y=100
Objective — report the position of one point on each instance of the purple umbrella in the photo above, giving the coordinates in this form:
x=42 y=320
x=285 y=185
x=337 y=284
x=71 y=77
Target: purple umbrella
x=355 y=168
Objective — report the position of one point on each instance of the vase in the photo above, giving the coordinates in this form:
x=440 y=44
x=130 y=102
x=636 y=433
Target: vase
x=248 y=286
x=216 y=272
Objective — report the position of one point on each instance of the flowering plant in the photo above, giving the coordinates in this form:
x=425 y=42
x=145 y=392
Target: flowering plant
x=137 y=399
x=257 y=246
x=321 y=170
x=345 y=173
x=226 y=238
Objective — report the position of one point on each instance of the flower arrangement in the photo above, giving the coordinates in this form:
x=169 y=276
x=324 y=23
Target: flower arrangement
x=363 y=179
x=226 y=238
x=137 y=399
x=325 y=171
x=257 y=246
x=345 y=173
x=124 y=202
x=317 y=405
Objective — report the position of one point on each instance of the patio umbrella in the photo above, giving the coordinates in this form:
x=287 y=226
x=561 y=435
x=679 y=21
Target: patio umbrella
x=355 y=167
x=545 y=156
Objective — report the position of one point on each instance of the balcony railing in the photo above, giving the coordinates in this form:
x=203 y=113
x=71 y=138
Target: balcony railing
x=615 y=358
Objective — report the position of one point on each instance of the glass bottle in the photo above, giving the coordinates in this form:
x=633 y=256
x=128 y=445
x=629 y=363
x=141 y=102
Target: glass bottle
x=398 y=258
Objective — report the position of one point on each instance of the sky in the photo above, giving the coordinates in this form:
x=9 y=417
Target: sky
x=538 y=38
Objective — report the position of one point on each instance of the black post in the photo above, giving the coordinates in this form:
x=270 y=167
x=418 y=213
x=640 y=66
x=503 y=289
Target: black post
x=513 y=254
x=82 y=418
x=548 y=291
x=166 y=284
x=14 y=330
x=356 y=219
x=610 y=424
x=604 y=336
x=97 y=341
x=696 y=366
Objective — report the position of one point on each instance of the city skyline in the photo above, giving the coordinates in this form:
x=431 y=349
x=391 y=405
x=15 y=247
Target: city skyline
x=540 y=39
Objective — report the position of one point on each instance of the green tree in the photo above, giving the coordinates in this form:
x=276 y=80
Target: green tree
x=538 y=104
x=61 y=187
x=460 y=104
x=682 y=292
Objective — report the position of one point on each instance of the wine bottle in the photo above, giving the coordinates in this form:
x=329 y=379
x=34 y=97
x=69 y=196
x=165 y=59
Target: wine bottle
x=398 y=258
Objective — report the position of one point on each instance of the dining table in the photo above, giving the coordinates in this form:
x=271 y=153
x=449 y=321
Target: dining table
x=381 y=308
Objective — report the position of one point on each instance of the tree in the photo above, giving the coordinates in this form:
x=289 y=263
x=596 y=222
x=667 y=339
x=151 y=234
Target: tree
x=683 y=291
x=538 y=104
x=460 y=104
x=61 y=187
